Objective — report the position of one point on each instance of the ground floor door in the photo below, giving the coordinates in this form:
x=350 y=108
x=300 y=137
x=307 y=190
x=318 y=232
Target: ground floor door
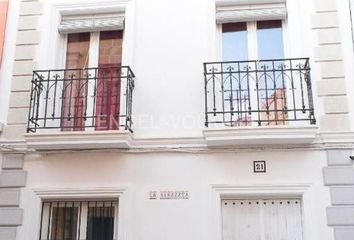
x=259 y=219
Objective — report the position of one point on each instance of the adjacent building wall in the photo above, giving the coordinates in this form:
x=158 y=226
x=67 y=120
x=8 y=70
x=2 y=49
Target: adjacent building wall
x=334 y=84
x=3 y=16
x=7 y=56
x=339 y=176
x=329 y=58
x=27 y=42
x=12 y=178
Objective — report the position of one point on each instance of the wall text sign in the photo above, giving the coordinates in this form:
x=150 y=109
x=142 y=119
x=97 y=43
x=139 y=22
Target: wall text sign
x=168 y=195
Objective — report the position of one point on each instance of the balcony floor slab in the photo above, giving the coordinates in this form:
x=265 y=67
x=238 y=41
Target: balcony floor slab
x=120 y=139
x=272 y=135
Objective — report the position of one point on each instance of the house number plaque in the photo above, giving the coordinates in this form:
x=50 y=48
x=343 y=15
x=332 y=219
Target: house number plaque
x=168 y=195
x=259 y=167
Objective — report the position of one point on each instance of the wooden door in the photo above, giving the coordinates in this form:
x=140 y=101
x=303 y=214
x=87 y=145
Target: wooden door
x=271 y=219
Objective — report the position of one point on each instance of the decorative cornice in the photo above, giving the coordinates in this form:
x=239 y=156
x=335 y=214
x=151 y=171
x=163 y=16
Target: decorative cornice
x=336 y=138
x=100 y=140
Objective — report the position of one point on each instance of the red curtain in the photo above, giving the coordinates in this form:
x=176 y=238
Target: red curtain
x=108 y=97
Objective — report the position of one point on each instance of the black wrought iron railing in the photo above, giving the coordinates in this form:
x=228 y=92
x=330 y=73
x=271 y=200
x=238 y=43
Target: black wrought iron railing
x=258 y=93
x=82 y=99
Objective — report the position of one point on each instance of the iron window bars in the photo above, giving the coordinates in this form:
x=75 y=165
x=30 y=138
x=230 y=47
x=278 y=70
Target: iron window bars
x=80 y=99
x=258 y=93
x=78 y=220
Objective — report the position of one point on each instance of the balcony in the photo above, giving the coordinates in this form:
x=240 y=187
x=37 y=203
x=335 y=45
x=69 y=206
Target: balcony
x=81 y=108
x=259 y=102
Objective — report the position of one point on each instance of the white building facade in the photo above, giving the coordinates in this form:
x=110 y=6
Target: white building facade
x=155 y=120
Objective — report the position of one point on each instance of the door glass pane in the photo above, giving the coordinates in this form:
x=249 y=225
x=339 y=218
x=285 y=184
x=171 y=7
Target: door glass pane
x=100 y=223
x=234 y=79
x=109 y=80
x=270 y=40
x=272 y=87
x=234 y=41
x=75 y=82
x=64 y=223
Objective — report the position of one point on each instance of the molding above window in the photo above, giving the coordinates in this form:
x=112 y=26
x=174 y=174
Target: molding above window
x=77 y=193
x=91 y=23
x=245 y=11
x=227 y=191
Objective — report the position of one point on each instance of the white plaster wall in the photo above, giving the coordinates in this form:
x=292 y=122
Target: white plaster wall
x=174 y=219
x=8 y=58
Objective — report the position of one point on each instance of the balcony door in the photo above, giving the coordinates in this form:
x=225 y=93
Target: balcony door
x=255 y=92
x=109 y=80
x=91 y=89
x=74 y=102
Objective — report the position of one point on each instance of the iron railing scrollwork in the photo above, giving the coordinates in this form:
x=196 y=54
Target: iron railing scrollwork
x=82 y=99
x=258 y=93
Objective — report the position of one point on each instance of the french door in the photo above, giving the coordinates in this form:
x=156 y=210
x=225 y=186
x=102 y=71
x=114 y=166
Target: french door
x=251 y=83
x=91 y=90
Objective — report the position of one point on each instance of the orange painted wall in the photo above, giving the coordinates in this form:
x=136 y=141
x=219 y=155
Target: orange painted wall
x=3 y=14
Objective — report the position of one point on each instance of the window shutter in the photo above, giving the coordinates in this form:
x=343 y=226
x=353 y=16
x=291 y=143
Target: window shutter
x=245 y=11
x=91 y=23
